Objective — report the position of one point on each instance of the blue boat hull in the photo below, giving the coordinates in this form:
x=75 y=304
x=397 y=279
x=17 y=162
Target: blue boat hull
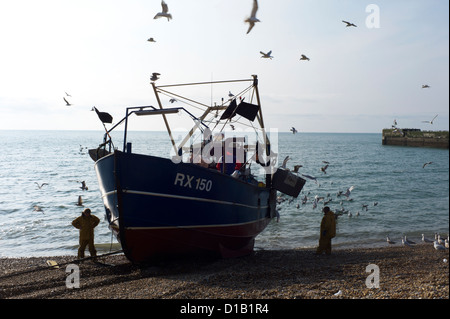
x=159 y=208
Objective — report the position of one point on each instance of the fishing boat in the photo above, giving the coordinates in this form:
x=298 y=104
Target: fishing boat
x=206 y=197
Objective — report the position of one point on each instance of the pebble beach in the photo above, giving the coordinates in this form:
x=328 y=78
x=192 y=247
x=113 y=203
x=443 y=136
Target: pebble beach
x=418 y=272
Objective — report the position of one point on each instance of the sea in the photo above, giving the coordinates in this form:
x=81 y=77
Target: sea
x=393 y=194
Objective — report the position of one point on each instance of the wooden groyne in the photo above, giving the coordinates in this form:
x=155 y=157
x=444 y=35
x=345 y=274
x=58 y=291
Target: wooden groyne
x=415 y=137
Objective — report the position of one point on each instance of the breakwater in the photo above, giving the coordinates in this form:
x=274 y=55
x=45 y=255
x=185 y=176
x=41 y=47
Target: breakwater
x=415 y=137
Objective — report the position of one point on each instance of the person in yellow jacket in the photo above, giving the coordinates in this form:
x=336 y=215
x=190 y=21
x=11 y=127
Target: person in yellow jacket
x=327 y=231
x=86 y=224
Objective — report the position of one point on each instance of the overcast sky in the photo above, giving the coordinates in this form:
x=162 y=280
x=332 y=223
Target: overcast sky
x=357 y=80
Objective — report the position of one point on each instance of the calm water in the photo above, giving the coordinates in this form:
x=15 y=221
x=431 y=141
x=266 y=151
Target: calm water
x=411 y=200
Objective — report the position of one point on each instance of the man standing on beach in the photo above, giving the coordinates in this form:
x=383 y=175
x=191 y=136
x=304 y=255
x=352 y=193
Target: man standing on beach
x=327 y=231
x=86 y=224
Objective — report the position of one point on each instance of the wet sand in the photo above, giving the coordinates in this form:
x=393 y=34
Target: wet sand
x=404 y=273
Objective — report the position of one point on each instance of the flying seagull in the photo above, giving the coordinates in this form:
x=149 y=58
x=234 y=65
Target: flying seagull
x=266 y=55
x=252 y=19
x=103 y=116
x=296 y=167
x=431 y=122
x=349 y=24
x=41 y=185
x=67 y=94
x=349 y=190
x=164 y=13
x=67 y=102
x=155 y=76
x=151 y=40
x=425 y=86
x=324 y=169
x=304 y=57
x=427 y=163
x=293 y=130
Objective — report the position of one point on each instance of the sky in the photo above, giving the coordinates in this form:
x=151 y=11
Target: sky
x=358 y=80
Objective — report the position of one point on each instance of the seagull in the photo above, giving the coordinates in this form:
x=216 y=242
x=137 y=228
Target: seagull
x=173 y=100
x=83 y=186
x=266 y=55
x=349 y=190
x=389 y=241
x=287 y=158
x=40 y=186
x=151 y=40
x=103 y=116
x=304 y=57
x=426 y=240
x=80 y=201
x=36 y=208
x=438 y=246
x=324 y=169
x=67 y=94
x=431 y=122
x=230 y=95
x=365 y=206
x=409 y=241
x=349 y=24
x=252 y=19
x=310 y=177
x=67 y=102
x=405 y=243
x=440 y=240
x=296 y=167
x=427 y=163
x=164 y=13
x=425 y=86
x=293 y=130
x=155 y=76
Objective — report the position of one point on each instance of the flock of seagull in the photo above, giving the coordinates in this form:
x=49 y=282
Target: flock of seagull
x=251 y=20
x=438 y=242
x=79 y=202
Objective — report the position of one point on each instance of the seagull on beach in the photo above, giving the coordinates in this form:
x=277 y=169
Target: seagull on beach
x=252 y=19
x=304 y=57
x=67 y=102
x=438 y=246
x=426 y=240
x=405 y=243
x=389 y=241
x=266 y=55
x=430 y=122
x=427 y=163
x=164 y=13
x=409 y=241
x=349 y=24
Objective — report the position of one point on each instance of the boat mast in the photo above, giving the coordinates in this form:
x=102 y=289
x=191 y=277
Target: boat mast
x=165 y=119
